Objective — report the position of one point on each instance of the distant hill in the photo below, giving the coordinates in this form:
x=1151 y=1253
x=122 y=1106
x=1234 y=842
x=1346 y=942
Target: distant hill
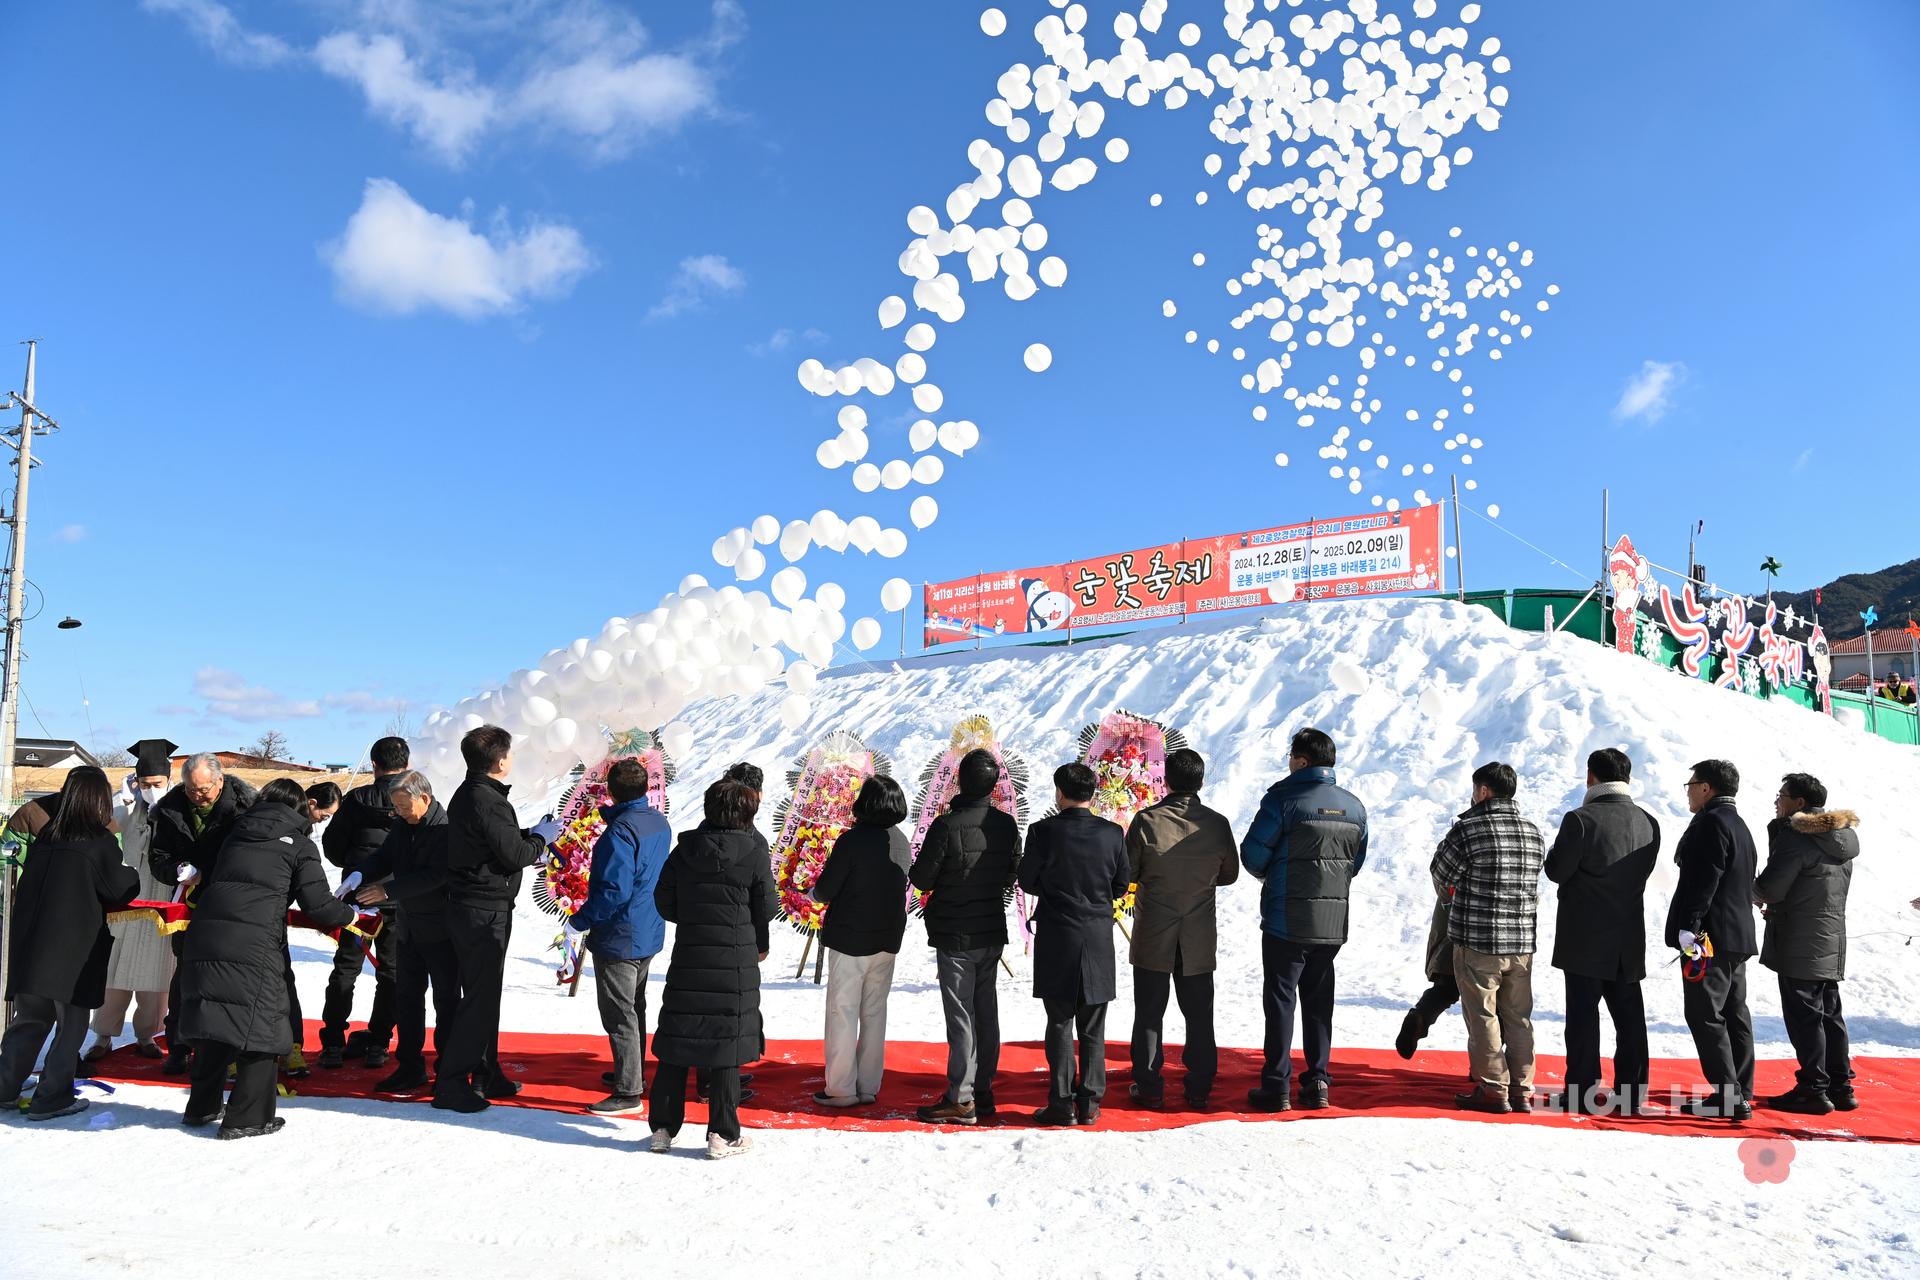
x=1894 y=591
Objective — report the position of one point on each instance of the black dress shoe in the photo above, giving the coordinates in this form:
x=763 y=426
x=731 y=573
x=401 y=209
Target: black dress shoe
x=1806 y=1102
x=466 y=1102
x=201 y=1121
x=502 y=1087
x=404 y=1080
x=1487 y=1101
x=1313 y=1095
x=376 y=1057
x=1269 y=1100
x=1086 y=1113
x=178 y=1060
x=274 y=1125
x=1843 y=1098
x=1153 y=1100
x=1711 y=1109
x=1520 y=1100
x=1057 y=1114
x=1411 y=1033
x=332 y=1058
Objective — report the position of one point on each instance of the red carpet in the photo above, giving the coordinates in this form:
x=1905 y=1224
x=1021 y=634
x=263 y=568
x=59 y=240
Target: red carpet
x=562 y=1073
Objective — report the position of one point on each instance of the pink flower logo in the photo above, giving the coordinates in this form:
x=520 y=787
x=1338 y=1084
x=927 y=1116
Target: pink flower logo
x=1766 y=1159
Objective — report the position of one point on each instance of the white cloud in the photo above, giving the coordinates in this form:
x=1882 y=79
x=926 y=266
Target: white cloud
x=229 y=696
x=1648 y=393
x=783 y=340
x=221 y=32
x=1800 y=463
x=613 y=102
x=698 y=279
x=397 y=256
x=70 y=533
x=447 y=114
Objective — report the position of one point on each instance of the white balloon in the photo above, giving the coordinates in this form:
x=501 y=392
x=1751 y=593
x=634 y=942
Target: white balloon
x=800 y=677
x=789 y=585
x=911 y=367
x=724 y=550
x=929 y=469
x=866 y=634
x=598 y=665
x=866 y=477
x=992 y=21
x=677 y=737
x=852 y=445
x=852 y=418
x=863 y=531
x=688 y=585
x=928 y=398
x=794 y=710
x=892 y=544
x=924 y=511
x=1348 y=676
x=1039 y=357
x=893 y=309
x=1053 y=271
x=765 y=530
x=561 y=734
x=896 y=474
x=895 y=594
x=921 y=435
x=921 y=220
x=751 y=564
x=538 y=712
x=827 y=455
x=831 y=595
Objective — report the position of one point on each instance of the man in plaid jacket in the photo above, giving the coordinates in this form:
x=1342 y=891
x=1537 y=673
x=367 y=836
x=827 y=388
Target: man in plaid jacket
x=1490 y=864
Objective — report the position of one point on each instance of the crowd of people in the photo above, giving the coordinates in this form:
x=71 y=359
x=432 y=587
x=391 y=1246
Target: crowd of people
x=445 y=880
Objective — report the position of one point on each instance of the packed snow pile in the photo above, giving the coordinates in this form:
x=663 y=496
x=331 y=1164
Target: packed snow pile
x=1416 y=694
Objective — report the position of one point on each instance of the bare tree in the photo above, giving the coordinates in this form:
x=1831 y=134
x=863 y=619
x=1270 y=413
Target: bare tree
x=271 y=745
x=113 y=757
x=400 y=725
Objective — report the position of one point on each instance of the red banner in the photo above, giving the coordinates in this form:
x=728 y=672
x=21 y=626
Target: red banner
x=1373 y=554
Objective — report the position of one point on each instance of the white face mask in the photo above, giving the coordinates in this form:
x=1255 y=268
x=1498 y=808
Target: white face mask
x=152 y=795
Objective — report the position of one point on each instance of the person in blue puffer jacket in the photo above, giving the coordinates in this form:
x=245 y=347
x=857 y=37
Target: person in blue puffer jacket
x=623 y=926
x=1305 y=846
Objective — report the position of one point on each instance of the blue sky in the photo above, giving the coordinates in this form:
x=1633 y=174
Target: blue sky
x=304 y=478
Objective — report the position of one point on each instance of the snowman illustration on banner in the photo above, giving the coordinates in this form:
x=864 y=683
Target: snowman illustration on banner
x=1047 y=609
x=1631 y=578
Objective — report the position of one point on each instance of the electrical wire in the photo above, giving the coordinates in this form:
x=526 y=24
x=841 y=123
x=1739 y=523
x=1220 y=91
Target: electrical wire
x=1547 y=555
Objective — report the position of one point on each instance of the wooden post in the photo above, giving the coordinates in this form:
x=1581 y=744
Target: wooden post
x=804 y=952
x=819 y=958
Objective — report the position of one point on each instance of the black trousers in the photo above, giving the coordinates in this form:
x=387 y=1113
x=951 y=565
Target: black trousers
x=348 y=960
x=1201 y=1056
x=255 y=1095
x=1818 y=1030
x=296 y=1021
x=1716 y=1010
x=470 y=1046
x=667 y=1100
x=425 y=959
x=1436 y=1000
x=1075 y=1077
x=178 y=942
x=1629 y=1014
x=1296 y=976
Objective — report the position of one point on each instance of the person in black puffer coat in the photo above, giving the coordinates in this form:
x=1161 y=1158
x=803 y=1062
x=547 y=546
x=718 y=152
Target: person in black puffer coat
x=232 y=974
x=864 y=885
x=59 y=942
x=1810 y=855
x=717 y=888
x=966 y=867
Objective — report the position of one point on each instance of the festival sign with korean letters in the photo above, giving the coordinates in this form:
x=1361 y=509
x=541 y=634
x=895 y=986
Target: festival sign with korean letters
x=1351 y=556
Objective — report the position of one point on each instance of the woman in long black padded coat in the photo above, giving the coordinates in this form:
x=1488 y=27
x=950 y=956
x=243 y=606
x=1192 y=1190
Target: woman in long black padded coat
x=717 y=889
x=233 y=971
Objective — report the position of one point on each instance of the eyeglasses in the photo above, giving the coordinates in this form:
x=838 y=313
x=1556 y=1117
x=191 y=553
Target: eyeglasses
x=1696 y=783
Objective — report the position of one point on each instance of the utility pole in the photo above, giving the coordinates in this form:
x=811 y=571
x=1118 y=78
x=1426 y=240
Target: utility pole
x=16 y=590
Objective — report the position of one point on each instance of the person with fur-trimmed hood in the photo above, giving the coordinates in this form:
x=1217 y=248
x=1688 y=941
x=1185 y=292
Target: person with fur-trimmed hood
x=1803 y=891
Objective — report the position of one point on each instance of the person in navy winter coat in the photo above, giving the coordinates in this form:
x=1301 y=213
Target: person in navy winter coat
x=1305 y=846
x=623 y=926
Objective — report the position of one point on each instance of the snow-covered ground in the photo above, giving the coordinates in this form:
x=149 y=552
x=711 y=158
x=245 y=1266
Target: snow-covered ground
x=1416 y=695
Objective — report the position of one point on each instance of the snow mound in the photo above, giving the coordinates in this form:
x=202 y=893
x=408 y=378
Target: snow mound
x=1416 y=694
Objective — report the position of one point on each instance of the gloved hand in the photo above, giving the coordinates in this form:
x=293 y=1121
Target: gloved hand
x=186 y=875
x=548 y=829
x=348 y=885
x=574 y=936
x=1689 y=945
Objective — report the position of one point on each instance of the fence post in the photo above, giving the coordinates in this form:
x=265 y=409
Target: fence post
x=1459 y=548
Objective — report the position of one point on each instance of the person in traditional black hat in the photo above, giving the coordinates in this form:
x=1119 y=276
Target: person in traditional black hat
x=141 y=968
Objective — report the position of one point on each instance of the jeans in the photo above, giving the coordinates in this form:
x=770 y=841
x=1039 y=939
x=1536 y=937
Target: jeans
x=1296 y=976
x=621 y=988
x=972 y=1003
x=34 y=1018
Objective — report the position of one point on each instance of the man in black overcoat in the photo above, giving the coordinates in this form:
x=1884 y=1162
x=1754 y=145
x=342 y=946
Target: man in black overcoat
x=1075 y=867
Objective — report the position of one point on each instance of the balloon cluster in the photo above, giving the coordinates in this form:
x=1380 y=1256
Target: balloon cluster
x=1339 y=101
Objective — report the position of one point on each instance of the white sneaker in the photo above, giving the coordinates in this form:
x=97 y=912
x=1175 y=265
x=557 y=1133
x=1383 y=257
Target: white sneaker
x=662 y=1142
x=718 y=1148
